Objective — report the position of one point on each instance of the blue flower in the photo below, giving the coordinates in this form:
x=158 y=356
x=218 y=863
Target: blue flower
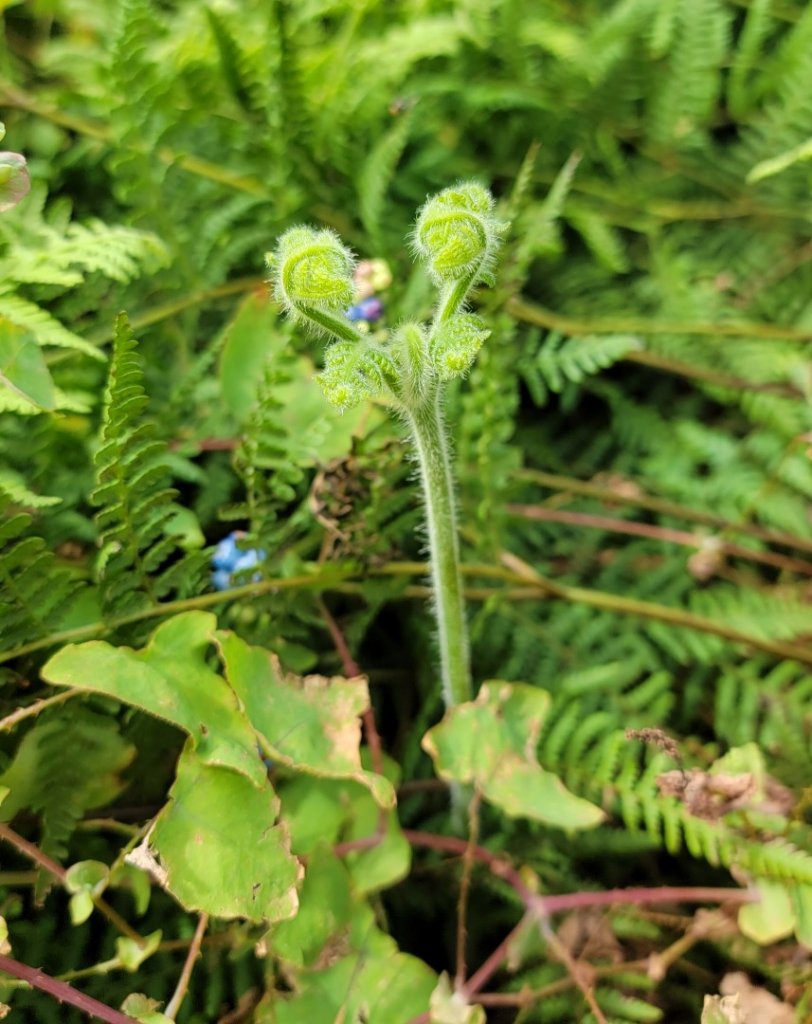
x=369 y=310
x=229 y=559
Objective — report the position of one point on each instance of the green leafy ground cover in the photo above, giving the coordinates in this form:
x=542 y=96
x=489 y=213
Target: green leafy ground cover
x=620 y=823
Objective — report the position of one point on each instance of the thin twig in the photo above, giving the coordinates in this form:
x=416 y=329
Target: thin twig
x=34 y=853
x=465 y=886
x=36 y=708
x=174 y=1004
x=541 y=513
x=530 y=312
x=246 y=1005
x=532 y=586
x=635 y=497
x=573 y=969
x=62 y=991
x=664 y=961
x=28 y=849
x=490 y=966
x=557 y=904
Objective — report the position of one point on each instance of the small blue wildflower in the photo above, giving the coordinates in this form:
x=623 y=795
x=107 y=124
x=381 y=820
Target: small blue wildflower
x=221 y=579
x=226 y=552
x=369 y=310
x=229 y=559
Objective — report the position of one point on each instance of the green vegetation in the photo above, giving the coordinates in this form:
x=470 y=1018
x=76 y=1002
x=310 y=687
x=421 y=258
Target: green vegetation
x=244 y=772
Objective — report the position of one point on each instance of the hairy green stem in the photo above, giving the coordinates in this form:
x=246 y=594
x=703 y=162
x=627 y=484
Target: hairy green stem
x=340 y=327
x=433 y=455
x=452 y=298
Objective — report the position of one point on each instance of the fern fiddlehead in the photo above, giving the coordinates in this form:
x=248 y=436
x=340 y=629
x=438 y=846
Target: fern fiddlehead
x=457 y=236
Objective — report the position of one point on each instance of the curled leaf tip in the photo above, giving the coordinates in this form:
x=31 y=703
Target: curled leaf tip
x=457 y=234
x=312 y=269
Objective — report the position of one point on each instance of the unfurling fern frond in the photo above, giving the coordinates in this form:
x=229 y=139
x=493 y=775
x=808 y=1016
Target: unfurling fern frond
x=141 y=561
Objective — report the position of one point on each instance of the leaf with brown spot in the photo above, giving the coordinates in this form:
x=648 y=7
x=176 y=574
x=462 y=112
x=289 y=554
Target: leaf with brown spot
x=311 y=724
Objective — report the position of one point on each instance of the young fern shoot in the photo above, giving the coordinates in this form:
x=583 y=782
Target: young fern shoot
x=457 y=236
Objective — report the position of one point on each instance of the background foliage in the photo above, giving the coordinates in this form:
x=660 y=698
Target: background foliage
x=632 y=448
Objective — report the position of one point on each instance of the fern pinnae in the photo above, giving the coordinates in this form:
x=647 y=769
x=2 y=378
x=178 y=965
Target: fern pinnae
x=36 y=588
x=132 y=493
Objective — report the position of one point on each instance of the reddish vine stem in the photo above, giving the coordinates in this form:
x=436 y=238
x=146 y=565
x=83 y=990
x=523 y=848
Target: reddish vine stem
x=682 y=537
x=62 y=991
x=490 y=966
x=557 y=904
x=541 y=907
x=52 y=867
x=465 y=887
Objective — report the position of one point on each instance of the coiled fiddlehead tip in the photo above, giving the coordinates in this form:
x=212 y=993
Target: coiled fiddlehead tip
x=312 y=269
x=457 y=233
x=456 y=343
x=354 y=371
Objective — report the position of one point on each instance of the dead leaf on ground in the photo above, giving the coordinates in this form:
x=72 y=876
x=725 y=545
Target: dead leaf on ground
x=758 y=1005
x=722 y=1010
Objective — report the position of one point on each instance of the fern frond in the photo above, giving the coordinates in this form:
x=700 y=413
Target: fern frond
x=376 y=174
x=233 y=62
x=64 y=259
x=46 y=328
x=140 y=561
x=264 y=463
x=686 y=95
x=36 y=588
x=560 y=361
x=60 y=788
x=740 y=85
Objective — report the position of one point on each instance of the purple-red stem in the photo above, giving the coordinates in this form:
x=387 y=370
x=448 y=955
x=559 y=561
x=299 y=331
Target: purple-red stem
x=62 y=991
x=663 y=533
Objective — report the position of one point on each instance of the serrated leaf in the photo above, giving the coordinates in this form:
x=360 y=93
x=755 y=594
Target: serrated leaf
x=144 y=1009
x=169 y=678
x=22 y=366
x=311 y=724
x=492 y=741
x=223 y=849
